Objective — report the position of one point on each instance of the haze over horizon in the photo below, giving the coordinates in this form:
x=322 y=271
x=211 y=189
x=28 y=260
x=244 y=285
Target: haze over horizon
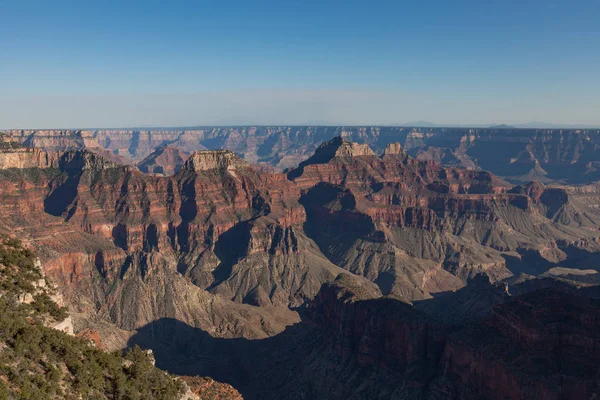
x=239 y=123
x=70 y=64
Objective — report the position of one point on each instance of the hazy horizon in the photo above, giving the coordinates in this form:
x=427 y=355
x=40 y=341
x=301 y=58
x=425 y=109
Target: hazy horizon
x=415 y=124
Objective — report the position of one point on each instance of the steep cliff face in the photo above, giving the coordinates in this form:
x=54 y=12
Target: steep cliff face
x=539 y=345
x=14 y=155
x=104 y=233
x=355 y=344
x=403 y=211
x=24 y=158
x=224 y=233
x=394 y=149
x=545 y=155
x=194 y=262
x=214 y=160
x=165 y=160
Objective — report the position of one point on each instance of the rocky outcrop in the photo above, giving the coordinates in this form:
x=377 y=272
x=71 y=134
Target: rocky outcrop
x=206 y=160
x=341 y=147
x=223 y=233
x=394 y=149
x=337 y=147
x=546 y=155
x=165 y=160
x=209 y=389
x=14 y=155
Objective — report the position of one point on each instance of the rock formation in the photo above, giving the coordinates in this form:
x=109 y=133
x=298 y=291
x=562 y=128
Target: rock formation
x=370 y=249
x=207 y=160
x=14 y=155
x=521 y=155
x=394 y=149
x=355 y=344
x=208 y=389
x=269 y=238
x=165 y=160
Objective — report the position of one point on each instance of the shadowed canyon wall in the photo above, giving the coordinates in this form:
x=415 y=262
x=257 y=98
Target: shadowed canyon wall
x=350 y=268
x=546 y=155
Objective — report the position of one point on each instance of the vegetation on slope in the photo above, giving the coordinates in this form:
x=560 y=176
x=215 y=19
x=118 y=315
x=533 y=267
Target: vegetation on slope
x=37 y=362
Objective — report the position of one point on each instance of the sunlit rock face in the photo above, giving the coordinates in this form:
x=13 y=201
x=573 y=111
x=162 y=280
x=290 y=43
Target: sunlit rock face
x=165 y=160
x=206 y=160
x=398 y=265
x=413 y=227
x=520 y=155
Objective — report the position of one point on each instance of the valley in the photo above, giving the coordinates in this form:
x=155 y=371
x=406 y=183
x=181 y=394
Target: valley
x=369 y=268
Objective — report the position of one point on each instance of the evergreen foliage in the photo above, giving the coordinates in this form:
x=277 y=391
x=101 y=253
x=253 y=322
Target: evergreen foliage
x=39 y=363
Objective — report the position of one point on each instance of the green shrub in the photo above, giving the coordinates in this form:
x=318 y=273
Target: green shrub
x=39 y=363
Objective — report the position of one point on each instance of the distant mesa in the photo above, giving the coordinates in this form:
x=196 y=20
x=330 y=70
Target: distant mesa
x=80 y=160
x=165 y=160
x=564 y=155
x=206 y=160
x=394 y=149
x=338 y=147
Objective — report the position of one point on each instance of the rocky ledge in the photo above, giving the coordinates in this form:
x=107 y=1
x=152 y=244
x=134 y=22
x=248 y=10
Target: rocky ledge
x=338 y=147
x=394 y=149
x=208 y=389
x=206 y=160
x=13 y=155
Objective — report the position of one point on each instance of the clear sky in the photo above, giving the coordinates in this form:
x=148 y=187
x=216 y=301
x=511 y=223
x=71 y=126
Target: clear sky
x=179 y=63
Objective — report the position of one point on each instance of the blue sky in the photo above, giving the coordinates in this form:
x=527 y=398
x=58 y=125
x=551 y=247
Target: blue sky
x=160 y=63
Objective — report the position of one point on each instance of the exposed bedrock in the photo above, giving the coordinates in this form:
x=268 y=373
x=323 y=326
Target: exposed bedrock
x=251 y=237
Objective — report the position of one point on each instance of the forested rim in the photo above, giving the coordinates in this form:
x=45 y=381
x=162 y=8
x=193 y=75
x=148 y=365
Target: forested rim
x=37 y=362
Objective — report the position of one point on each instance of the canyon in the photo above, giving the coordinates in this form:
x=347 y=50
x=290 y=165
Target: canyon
x=369 y=268
x=518 y=155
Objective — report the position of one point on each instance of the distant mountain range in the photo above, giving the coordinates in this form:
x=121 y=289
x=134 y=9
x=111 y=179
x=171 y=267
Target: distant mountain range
x=527 y=125
x=516 y=154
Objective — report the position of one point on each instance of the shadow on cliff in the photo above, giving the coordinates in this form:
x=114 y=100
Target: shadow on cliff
x=532 y=263
x=330 y=210
x=61 y=198
x=184 y=350
x=326 y=356
x=230 y=248
x=529 y=262
x=383 y=348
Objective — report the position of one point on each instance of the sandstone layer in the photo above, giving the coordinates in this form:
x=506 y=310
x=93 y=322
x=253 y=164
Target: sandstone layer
x=521 y=155
x=201 y=263
x=272 y=239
